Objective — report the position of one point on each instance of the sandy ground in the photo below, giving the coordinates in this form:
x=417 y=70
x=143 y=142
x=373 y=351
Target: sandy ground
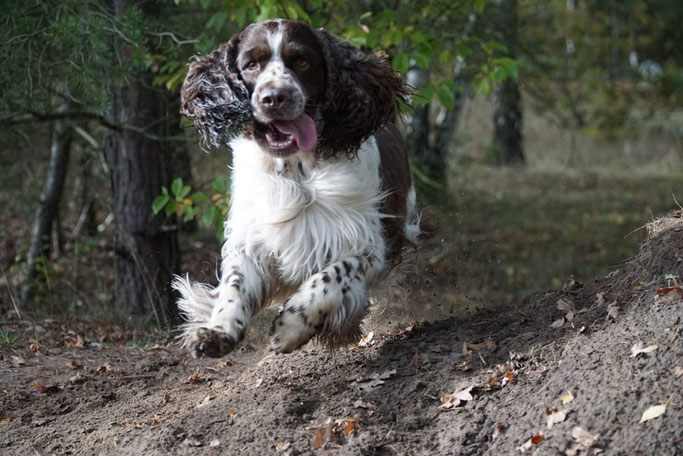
x=558 y=373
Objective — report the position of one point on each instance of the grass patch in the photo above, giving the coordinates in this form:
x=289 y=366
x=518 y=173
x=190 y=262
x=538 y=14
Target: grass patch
x=7 y=339
x=520 y=230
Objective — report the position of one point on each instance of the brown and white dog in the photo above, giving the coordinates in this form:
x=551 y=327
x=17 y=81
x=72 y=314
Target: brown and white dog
x=322 y=200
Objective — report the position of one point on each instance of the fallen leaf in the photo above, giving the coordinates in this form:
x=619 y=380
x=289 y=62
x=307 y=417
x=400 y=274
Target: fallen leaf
x=497 y=431
x=454 y=400
x=599 y=298
x=366 y=340
x=476 y=347
x=373 y=380
x=556 y=417
x=678 y=371
x=73 y=365
x=558 y=323
x=564 y=305
x=37 y=385
x=233 y=413
x=282 y=446
x=192 y=442
x=526 y=446
x=194 y=378
x=258 y=383
x=567 y=397
x=360 y=404
x=508 y=376
x=584 y=437
x=102 y=368
x=17 y=361
x=638 y=349
x=653 y=412
x=206 y=400
x=613 y=310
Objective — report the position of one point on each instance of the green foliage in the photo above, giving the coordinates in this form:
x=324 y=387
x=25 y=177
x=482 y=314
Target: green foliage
x=7 y=339
x=210 y=212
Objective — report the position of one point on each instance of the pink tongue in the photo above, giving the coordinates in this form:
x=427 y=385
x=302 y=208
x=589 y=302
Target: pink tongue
x=303 y=129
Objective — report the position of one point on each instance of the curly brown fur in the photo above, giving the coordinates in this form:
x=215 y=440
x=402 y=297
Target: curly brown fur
x=214 y=97
x=363 y=93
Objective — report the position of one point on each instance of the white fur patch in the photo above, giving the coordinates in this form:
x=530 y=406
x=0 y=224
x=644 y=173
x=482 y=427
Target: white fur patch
x=297 y=224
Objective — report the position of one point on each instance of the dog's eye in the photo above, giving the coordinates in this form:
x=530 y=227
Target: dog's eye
x=302 y=64
x=251 y=66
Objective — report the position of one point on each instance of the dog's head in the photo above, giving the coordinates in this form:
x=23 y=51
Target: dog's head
x=292 y=88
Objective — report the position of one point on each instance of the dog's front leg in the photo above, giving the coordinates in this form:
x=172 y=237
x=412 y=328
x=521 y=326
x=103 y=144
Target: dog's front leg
x=239 y=296
x=331 y=304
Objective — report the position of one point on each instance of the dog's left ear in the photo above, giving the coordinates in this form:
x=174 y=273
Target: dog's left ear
x=214 y=96
x=363 y=93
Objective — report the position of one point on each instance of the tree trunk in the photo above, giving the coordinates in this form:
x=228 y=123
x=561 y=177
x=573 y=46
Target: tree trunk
x=448 y=122
x=507 y=110
x=146 y=254
x=48 y=208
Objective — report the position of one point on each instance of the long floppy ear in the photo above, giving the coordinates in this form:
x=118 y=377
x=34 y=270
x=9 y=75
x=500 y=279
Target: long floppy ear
x=214 y=96
x=363 y=93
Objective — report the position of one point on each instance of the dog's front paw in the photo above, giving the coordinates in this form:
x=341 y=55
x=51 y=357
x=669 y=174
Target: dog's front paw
x=212 y=343
x=290 y=330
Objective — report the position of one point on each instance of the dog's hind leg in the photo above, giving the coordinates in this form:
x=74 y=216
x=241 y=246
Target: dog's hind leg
x=218 y=318
x=330 y=304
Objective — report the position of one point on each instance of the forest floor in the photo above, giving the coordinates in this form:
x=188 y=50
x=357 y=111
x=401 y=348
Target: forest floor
x=575 y=370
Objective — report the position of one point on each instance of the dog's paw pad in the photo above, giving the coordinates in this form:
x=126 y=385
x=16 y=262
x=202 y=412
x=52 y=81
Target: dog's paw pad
x=289 y=331
x=212 y=343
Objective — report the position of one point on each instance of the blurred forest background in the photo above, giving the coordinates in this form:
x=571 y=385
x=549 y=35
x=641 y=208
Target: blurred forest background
x=543 y=135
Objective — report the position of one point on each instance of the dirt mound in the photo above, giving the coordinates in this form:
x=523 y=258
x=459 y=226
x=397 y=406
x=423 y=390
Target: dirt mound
x=569 y=371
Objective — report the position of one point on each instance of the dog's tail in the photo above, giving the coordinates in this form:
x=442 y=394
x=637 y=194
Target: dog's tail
x=196 y=303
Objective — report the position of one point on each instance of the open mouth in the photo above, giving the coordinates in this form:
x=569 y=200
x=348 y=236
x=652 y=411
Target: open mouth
x=283 y=135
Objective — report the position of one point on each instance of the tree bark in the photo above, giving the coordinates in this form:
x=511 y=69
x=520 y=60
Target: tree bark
x=507 y=110
x=146 y=254
x=48 y=208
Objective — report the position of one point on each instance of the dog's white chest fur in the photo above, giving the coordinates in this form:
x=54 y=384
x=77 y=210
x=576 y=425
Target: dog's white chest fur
x=295 y=215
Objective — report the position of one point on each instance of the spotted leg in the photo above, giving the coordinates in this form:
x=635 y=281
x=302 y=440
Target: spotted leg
x=231 y=305
x=330 y=303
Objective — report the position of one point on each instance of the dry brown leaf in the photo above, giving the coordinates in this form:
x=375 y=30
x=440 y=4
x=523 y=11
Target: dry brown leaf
x=497 y=431
x=233 y=413
x=37 y=385
x=556 y=417
x=638 y=349
x=73 y=365
x=194 y=378
x=527 y=446
x=454 y=400
x=653 y=412
x=17 y=361
x=366 y=341
x=467 y=346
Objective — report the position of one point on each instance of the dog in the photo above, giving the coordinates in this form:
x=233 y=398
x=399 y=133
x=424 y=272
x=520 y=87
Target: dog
x=322 y=201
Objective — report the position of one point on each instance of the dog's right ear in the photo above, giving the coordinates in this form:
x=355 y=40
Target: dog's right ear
x=213 y=95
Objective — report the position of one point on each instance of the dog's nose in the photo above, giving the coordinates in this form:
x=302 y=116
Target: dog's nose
x=274 y=98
